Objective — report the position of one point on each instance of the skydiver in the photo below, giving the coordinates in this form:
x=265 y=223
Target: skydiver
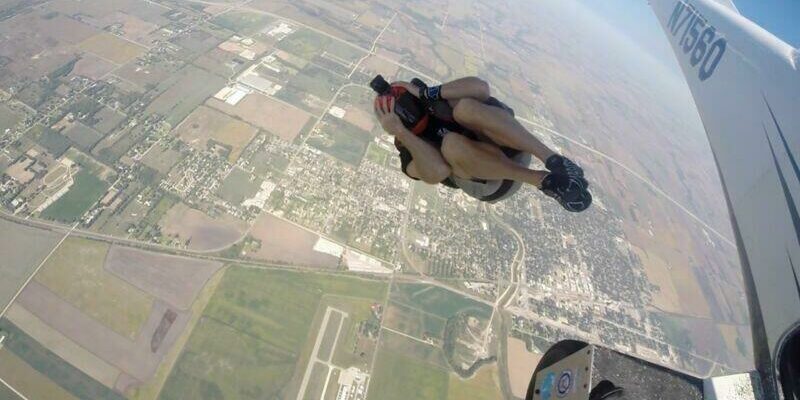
x=460 y=130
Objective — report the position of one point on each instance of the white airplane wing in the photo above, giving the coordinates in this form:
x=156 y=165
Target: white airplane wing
x=729 y=4
x=746 y=85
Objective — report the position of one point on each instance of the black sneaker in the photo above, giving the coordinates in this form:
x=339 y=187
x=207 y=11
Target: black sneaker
x=570 y=192
x=564 y=166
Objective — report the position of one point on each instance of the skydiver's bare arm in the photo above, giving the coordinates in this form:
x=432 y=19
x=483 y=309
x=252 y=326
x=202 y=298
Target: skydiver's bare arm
x=428 y=163
x=469 y=87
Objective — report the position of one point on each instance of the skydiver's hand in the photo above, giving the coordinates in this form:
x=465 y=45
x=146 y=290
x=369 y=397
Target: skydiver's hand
x=384 y=110
x=412 y=88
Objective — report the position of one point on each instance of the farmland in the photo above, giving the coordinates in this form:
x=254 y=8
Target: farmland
x=18 y=265
x=86 y=190
x=75 y=273
x=259 y=319
x=398 y=377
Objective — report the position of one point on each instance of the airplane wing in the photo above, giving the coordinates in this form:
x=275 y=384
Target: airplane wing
x=746 y=85
x=729 y=4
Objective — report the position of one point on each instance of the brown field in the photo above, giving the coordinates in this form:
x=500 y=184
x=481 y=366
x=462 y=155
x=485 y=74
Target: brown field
x=149 y=390
x=27 y=380
x=133 y=28
x=100 y=11
x=92 y=67
x=521 y=364
x=284 y=242
x=142 y=77
x=63 y=347
x=372 y=20
x=75 y=273
x=693 y=299
x=176 y=280
x=29 y=34
x=268 y=114
x=360 y=118
x=161 y=159
x=134 y=358
x=205 y=124
x=217 y=61
x=17 y=265
x=659 y=273
x=201 y=231
x=112 y=48
x=234 y=47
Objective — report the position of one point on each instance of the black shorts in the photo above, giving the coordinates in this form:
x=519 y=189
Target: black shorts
x=436 y=131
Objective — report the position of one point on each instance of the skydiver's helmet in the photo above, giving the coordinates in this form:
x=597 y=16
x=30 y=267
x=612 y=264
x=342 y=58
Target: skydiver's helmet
x=407 y=106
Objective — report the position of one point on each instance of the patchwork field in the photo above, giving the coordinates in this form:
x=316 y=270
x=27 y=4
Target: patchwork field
x=137 y=359
x=92 y=67
x=28 y=380
x=176 y=280
x=200 y=231
x=266 y=113
x=282 y=241
x=206 y=126
x=17 y=265
x=83 y=136
x=185 y=92
x=45 y=362
x=112 y=48
x=62 y=346
x=75 y=273
x=258 y=320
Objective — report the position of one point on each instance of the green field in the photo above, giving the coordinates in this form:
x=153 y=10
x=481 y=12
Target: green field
x=242 y=22
x=6 y=393
x=437 y=300
x=399 y=377
x=8 y=118
x=414 y=322
x=377 y=154
x=75 y=273
x=86 y=190
x=343 y=141
x=304 y=43
x=253 y=332
x=90 y=164
x=183 y=92
x=50 y=365
x=482 y=386
x=238 y=186
x=316 y=81
x=55 y=143
x=165 y=203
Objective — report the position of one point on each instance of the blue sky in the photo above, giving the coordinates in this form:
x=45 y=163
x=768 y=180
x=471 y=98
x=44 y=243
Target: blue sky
x=634 y=19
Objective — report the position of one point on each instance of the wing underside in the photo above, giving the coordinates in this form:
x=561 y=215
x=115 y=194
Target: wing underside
x=729 y=4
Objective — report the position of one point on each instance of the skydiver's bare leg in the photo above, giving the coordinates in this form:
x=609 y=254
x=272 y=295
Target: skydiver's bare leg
x=500 y=126
x=472 y=159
